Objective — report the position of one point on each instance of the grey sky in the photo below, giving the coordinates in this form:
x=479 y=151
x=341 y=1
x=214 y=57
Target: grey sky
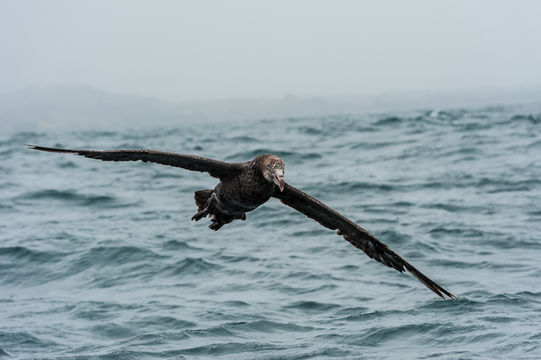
x=203 y=50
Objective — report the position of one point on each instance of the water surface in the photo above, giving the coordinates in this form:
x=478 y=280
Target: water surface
x=101 y=261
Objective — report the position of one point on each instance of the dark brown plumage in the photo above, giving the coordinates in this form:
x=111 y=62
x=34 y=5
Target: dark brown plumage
x=245 y=186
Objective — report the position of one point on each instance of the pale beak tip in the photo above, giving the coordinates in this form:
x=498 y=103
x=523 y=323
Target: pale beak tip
x=280 y=182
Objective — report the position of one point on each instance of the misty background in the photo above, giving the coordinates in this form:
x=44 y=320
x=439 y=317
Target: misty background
x=77 y=64
x=418 y=120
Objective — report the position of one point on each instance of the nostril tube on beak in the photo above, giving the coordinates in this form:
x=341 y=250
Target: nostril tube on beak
x=278 y=179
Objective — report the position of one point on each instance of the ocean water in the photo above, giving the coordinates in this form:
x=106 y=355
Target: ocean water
x=100 y=260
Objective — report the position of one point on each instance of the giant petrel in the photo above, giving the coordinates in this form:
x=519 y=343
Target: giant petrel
x=247 y=185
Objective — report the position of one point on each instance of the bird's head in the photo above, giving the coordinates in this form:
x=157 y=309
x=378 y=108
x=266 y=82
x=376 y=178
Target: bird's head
x=272 y=168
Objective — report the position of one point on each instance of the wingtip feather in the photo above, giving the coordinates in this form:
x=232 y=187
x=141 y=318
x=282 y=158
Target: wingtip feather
x=48 y=149
x=438 y=290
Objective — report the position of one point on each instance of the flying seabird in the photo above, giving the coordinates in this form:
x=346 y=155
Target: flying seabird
x=245 y=186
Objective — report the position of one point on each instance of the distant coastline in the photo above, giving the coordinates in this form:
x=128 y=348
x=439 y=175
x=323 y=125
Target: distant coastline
x=75 y=107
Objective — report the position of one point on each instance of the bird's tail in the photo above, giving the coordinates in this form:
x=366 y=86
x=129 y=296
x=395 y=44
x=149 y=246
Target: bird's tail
x=201 y=198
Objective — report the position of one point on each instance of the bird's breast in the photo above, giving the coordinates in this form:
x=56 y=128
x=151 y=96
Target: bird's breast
x=242 y=195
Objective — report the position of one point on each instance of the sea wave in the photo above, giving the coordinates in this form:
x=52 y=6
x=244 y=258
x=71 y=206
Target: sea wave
x=87 y=274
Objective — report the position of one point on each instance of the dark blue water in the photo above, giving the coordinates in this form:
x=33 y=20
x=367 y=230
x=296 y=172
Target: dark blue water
x=101 y=261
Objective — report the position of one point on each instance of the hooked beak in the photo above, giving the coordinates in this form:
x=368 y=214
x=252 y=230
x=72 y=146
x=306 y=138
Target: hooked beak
x=278 y=179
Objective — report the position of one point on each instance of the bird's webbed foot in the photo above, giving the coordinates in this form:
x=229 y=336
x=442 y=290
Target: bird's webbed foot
x=201 y=214
x=216 y=226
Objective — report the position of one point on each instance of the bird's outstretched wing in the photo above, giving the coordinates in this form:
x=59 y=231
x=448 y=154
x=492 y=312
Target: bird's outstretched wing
x=218 y=169
x=356 y=235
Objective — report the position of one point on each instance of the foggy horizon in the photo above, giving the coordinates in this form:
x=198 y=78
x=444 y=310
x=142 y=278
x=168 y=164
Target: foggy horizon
x=207 y=51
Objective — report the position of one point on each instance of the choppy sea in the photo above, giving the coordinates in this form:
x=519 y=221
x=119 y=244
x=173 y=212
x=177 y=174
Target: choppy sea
x=100 y=260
